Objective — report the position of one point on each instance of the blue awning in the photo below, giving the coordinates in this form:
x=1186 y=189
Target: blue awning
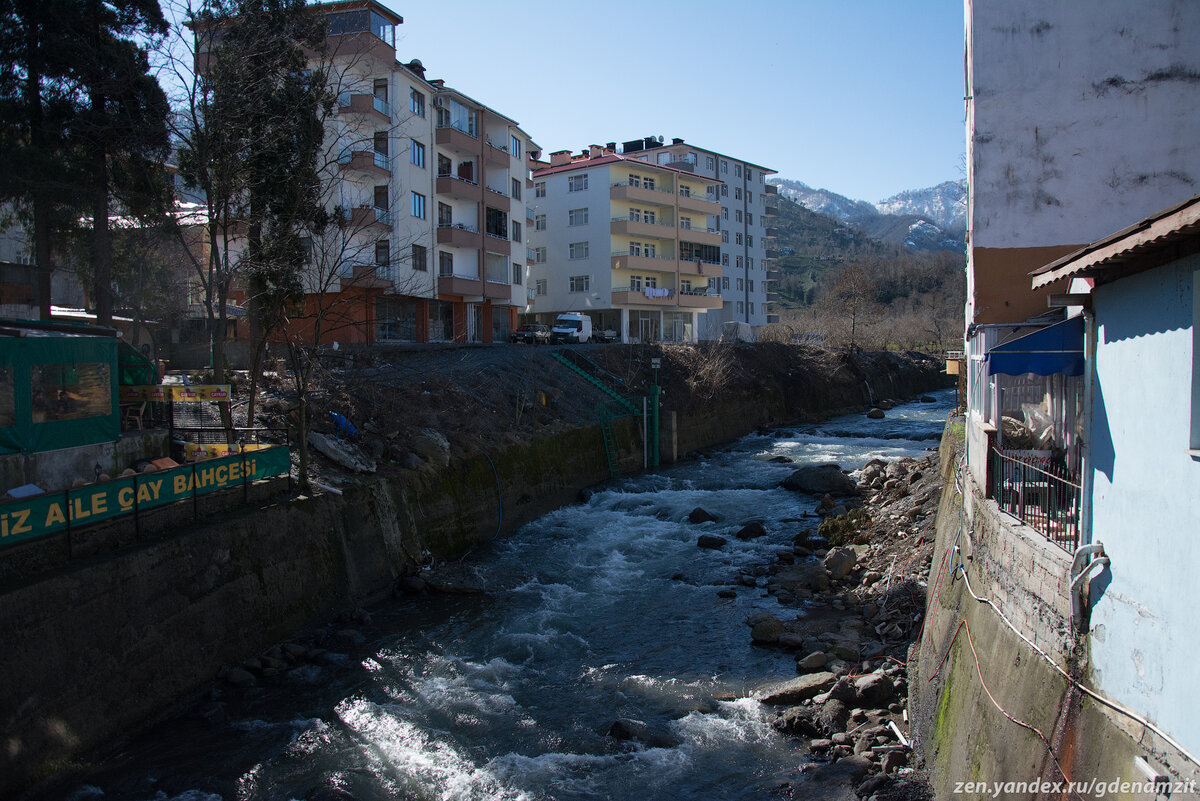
x=1054 y=349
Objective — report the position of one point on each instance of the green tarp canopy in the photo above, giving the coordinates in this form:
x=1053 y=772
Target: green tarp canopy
x=58 y=388
x=134 y=369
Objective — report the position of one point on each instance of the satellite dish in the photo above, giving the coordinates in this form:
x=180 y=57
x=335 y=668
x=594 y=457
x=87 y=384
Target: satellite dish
x=660 y=139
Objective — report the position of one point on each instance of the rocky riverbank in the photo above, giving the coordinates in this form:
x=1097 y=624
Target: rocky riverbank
x=857 y=583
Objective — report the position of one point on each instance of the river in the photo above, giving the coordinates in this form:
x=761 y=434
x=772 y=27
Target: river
x=598 y=611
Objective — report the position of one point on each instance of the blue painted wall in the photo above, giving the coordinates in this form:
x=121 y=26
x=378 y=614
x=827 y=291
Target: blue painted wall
x=1145 y=624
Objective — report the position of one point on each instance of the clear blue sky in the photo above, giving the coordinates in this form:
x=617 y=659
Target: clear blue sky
x=862 y=97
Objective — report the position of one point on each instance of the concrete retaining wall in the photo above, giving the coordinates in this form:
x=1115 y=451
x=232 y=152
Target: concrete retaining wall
x=960 y=734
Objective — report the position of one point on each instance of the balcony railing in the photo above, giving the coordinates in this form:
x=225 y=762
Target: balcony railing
x=624 y=253
x=665 y=190
x=461 y=129
x=460 y=226
x=665 y=223
x=1040 y=494
x=492 y=144
x=494 y=235
x=648 y=291
x=499 y=192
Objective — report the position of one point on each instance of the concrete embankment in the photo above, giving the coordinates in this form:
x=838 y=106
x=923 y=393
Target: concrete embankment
x=98 y=646
x=996 y=696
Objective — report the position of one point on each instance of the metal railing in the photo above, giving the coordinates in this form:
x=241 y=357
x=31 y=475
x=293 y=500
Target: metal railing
x=665 y=190
x=458 y=178
x=1043 y=496
x=458 y=126
x=624 y=253
x=665 y=223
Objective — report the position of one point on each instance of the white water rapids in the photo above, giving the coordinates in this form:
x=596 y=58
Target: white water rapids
x=599 y=611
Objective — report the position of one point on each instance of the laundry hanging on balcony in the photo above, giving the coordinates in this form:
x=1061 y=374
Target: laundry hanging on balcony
x=1054 y=349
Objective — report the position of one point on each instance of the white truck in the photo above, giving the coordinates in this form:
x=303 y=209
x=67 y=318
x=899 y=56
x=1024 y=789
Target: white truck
x=571 y=327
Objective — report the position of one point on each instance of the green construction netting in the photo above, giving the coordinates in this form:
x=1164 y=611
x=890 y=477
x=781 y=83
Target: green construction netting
x=57 y=390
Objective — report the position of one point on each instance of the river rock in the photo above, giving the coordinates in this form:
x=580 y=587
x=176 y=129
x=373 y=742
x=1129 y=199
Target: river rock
x=342 y=452
x=796 y=720
x=875 y=690
x=833 y=716
x=711 y=541
x=820 y=479
x=637 y=731
x=833 y=782
x=928 y=399
x=780 y=460
x=699 y=515
x=813 y=662
x=240 y=677
x=875 y=414
x=307 y=675
x=893 y=760
x=726 y=593
x=886 y=405
x=751 y=530
x=795 y=690
x=767 y=630
x=839 y=562
x=820 y=745
x=843 y=690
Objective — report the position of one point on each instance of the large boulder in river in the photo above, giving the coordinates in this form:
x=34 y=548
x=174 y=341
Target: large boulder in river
x=794 y=691
x=699 y=515
x=751 y=530
x=840 y=561
x=637 y=731
x=820 y=479
x=875 y=414
x=711 y=541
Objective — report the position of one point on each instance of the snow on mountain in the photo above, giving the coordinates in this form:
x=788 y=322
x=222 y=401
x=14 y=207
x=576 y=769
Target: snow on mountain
x=944 y=205
x=941 y=213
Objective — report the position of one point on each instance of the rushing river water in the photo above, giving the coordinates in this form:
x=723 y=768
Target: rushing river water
x=595 y=612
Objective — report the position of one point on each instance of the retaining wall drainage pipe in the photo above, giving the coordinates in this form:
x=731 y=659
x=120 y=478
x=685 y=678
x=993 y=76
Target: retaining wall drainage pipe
x=1079 y=575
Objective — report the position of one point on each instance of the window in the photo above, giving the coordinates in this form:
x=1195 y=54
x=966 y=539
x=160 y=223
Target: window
x=635 y=215
x=737 y=170
x=539 y=189
x=725 y=214
x=381 y=143
x=445 y=263
x=724 y=259
x=685 y=286
x=651 y=282
x=577 y=183
x=737 y=239
x=749 y=174
x=685 y=190
x=418 y=205
x=635 y=283
x=634 y=180
x=685 y=223
x=577 y=217
x=517 y=274
x=740 y=285
x=647 y=183
x=416 y=102
x=750 y=283
x=752 y=308
x=737 y=215
x=750 y=262
x=416 y=153
x=539 y=256
x=664 y=158
x=750 y=240
x=740 y=307
x=445 y=166
x=737 y=193
x=539 y=222
x=724 y=165
x=708 y=162
x=577 y=250
x=724 y=190
x=515 y=148
x=383 y=259
x=725 y=237
x=749 y=218
x=445 y=216
x=540 y=286
x=648 y=216
x=738 y=264
x=419 y=258
x=516 y=188
x=381 y=197
x=580 y=283
x=724 y=283
x=650 y=250
x=516 y=231
x=65 y=391
x=635 y=248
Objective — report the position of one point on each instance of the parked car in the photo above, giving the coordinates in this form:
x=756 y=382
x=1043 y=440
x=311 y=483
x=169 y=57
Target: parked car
x=605 y=335
x=531 y=334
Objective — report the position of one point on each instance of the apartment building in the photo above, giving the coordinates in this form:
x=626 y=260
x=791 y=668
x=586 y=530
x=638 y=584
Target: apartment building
x=630 y=242
x=428 y=183
x=746 y=224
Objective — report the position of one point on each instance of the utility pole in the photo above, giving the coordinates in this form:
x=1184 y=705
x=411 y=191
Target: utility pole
x=655 y=391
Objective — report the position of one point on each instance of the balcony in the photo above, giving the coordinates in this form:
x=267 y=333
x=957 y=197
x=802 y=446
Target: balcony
x=627 y=296
x=497 y=290
x=772 y=253
x=701 y=236
x=529 y=259
x=365 y=161
x=367 y=276
x=772 y=231
x=640 y=194
x=709 y=208
x=456 y=140
x=771 y=189
x=369 y=105
x=773 y=297
x=461 y=285
x=623 y=226
x=363 y=217
x=495 y=154
x=461 y=188
x=661 y=264
x=459 y=236
x=495 y=243
x=497 y=199
x=774 y=275
x=772 y=208
x=772 y=318
x=708 y=269
x=702 y=298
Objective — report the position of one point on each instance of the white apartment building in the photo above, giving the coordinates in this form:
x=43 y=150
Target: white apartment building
x=746 y=223
x=629 y=242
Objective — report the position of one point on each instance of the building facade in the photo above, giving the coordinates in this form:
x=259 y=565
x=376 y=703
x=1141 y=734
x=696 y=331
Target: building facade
x=629 y=242
x=749 y=206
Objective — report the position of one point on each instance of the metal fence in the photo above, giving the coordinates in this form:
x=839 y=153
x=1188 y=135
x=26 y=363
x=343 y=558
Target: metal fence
x=1043 y=496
